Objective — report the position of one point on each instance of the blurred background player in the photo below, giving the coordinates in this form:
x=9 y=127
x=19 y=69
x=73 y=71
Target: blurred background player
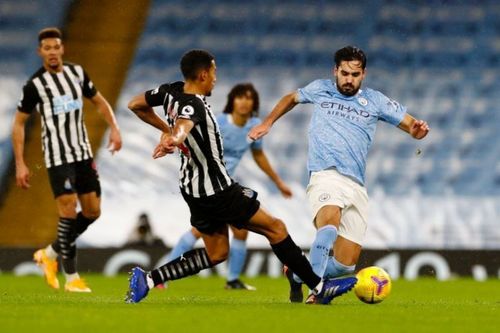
x=143 y=234
x=239 y=116
x=214 y=199
x=340 y=134
x=56 y=91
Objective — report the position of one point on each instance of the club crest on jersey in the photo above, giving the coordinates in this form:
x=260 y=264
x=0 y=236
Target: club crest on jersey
x=362 y=101
x=187 y=111
x=248 y=192
x=324 y=197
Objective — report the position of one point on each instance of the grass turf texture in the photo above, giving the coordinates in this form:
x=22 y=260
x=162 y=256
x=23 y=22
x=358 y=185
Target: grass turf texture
x=202 y=305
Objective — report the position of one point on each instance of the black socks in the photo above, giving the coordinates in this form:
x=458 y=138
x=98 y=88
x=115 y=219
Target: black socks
x=66 y=243
x=81 y=224
x=187 y=264
x=291 y=255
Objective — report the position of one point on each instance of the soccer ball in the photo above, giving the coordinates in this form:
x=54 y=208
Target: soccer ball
x=373 y=286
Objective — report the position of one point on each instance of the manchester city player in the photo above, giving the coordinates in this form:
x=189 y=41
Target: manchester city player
x=341 y=132
x=239 y=116
x=215 y=201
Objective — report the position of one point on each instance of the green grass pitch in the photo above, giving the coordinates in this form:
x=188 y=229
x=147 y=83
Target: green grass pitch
x=202 y=305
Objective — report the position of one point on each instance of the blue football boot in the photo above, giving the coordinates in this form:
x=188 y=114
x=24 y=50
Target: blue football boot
x=138 y=286
x=334 y=288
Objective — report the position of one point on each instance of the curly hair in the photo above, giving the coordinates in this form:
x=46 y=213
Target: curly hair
x=242 y=89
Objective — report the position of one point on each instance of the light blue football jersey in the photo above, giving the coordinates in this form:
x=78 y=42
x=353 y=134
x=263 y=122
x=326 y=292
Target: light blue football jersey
x=342 y=127
x=236 y=141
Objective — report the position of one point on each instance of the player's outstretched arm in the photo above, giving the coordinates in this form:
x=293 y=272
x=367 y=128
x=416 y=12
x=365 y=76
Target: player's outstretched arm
x=18 y=134
x=418 y=129
x=103 y=107
x=285 y=104
x=261 y=159
x=141 y=108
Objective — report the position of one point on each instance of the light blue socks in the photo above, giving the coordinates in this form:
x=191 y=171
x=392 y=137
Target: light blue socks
x=185 y=243
x=335 y=268
x=320 y=248
x=237 y=256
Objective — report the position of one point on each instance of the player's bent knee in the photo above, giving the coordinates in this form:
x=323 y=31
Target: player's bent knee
x=218 y=256
x=280 y=227
x=67 y=208
x=92 y=214
x=68 y=212
x=276 y=231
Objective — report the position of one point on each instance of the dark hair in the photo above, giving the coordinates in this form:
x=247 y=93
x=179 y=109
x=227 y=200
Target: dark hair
x=350 y=53
x=51 y=32
x=241 y=89
x=193 y=61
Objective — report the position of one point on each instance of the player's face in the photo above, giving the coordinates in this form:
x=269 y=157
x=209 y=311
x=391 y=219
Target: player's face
x=51 y=51
x=243 y=104
x=349 y=75
x=210 y=79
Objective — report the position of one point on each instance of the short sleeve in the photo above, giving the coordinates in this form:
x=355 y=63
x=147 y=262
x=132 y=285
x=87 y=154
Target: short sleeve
x=390 y=110
x=156 y=97
x=193 y=110
x=29 y=99
x=88 y=89
x=306 y=94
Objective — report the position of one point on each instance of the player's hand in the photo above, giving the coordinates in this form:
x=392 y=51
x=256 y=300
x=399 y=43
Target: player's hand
x=159 y=151
x=115 y=141
x=23 y=177
x=258 y=131
x=169 y=143
x=166 y=146
x=419 y=129
x=284 y=189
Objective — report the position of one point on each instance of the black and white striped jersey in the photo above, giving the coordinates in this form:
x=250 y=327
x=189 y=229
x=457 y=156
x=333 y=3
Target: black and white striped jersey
x=203 y=172
x=58 y=98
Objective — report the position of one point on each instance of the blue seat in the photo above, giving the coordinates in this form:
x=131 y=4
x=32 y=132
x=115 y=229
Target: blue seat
x=442 y=65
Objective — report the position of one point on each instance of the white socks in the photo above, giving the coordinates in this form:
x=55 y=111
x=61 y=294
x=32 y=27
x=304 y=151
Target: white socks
x=318 y=288
x=149 y=281
x=72 y=277
x=49 y=251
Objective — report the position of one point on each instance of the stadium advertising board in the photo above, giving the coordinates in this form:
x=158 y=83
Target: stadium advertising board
x=407 y=264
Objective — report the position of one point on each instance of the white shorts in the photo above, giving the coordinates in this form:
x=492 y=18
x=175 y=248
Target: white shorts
x=329 y=187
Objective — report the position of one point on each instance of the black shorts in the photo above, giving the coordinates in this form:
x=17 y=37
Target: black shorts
x=234 y=206
x=78 y=177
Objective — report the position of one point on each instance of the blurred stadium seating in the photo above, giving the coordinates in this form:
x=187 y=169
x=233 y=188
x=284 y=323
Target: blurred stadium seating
x=438 y=60
x=442 y=61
